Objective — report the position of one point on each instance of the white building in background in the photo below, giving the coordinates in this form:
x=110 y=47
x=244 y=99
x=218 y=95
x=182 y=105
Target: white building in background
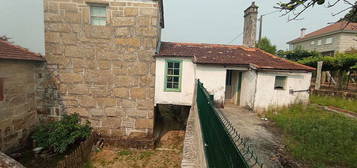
x=237 y=75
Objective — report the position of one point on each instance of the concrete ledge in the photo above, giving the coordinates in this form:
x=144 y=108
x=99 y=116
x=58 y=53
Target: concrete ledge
x=8 y=162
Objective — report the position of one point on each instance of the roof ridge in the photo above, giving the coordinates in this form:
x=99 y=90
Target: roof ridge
x=202 y=44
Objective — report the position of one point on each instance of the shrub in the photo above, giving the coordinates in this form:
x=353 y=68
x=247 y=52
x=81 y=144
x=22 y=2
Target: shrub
x=58 y=135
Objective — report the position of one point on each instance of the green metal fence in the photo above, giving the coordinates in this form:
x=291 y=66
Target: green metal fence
x=220 y=148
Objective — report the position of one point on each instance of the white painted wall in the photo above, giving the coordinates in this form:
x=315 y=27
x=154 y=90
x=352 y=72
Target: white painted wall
x=213 y=78
x=266 y=96
x=187 y=83
x=247 y=93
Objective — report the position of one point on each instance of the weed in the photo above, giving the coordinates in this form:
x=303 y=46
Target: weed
x=124 y=153
x=340 y=102
x=318 y=137
x=88 y=164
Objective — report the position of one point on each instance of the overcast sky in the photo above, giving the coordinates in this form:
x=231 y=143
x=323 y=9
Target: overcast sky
x=203 y=21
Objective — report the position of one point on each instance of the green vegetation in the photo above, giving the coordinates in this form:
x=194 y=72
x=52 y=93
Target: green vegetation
x=317 y=137
x=124 y=153
x=59 y=135
x=339 y=64
x=297 y=54
x=266 y=45
x=350 y=105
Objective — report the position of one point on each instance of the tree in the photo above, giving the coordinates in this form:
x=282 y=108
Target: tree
x=266 y=45
x=297 y=7
x=350 y=16
x=297 y=54
x=340 y=64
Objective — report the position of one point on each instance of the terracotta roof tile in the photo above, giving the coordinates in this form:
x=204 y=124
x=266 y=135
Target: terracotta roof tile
x=13 y=52
x=228 y=55
x=339 y=26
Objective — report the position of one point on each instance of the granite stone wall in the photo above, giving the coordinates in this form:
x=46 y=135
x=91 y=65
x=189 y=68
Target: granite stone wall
x=18 y=115
x=104 y=73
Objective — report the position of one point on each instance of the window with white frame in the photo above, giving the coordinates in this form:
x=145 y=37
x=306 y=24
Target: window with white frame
x=328 y=40
x=319 y=42
x=98 y=15
x=312 y=42
x=280 y=82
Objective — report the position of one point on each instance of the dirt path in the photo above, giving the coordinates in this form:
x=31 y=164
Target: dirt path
x=250 y=126
x=168 y=155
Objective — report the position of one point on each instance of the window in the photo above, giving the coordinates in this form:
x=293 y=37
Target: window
x=280 y=82
x=2 y=89
x=173 y=75
x=319 y=42
x=98 y=15
x=312 y=42
x=328 y=41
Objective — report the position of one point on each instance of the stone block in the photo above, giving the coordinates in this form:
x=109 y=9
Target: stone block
x=87 y=101
x=131 y=11
x=138 y=93
x=127 y=103
x=69 y=7
x=123 y=21
x=96 y=112
x=112 y=122
x=106 y=102
x=103 y=64
x=80 y=111
x=72 y=18
x=122 y=31
x=99 y=32
x=69 y=38
x=138 y=68
x=72 y=51
x=131 y=42
x=112 y=112
x=77 y=89
x=121 y=92
x=52 y=37
x=126 y=81
x=144 y=123
x=147 y=81
x=148 y=12
x=71 y=77
x=145 y=104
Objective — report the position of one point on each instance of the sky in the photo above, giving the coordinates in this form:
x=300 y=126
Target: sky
x=201 y=21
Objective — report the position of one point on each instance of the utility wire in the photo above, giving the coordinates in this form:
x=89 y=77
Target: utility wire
x=235 y=38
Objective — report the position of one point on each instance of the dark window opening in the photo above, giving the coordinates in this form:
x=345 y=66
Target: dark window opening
x=229 y=78
x=280 y=82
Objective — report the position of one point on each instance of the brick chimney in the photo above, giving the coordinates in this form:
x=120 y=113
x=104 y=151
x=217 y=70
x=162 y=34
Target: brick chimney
x=250 y=25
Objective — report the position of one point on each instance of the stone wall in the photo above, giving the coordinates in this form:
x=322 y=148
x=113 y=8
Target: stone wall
x=104 y=73
x=18 y=109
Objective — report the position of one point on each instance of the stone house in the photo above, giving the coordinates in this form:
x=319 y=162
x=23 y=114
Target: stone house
x=20 y=76
x=332 y=39
x=100 y=55
x=240 y=75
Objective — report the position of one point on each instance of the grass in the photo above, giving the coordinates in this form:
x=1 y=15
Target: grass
x=317 y=137
x=350 y=105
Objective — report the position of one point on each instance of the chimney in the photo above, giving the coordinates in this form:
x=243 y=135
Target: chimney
x=302 y=32
x=250 y=25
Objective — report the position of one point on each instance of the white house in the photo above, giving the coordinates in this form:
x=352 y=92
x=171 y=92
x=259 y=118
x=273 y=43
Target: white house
x=238 y=75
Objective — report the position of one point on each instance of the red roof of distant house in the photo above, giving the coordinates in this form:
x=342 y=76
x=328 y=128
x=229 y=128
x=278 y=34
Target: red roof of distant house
x=13 y=52
x=228 y=55
x=339 y=26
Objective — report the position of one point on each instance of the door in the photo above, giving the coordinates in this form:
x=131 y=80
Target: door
x=239 y=86
x=229 y=87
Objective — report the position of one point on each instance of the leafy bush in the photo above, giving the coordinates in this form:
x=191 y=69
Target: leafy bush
x=58 y=135
x=297 y=54
x=341 y=62
x=318 y=137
